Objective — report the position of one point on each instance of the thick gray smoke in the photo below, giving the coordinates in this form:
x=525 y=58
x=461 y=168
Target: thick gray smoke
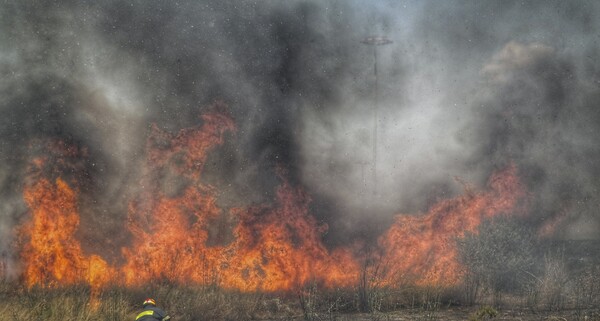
x=464 y=89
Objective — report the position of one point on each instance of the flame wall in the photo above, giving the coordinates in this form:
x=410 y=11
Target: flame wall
x=275 y=247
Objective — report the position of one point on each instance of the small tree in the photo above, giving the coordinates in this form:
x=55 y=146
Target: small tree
x=497 y=255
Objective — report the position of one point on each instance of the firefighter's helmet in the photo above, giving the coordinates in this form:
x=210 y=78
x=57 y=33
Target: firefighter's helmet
x=149 y=301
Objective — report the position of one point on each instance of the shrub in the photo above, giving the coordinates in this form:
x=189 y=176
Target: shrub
x=484 y=313
x=498 y=256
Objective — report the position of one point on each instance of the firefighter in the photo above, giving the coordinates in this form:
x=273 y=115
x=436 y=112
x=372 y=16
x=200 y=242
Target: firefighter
x=152 y=312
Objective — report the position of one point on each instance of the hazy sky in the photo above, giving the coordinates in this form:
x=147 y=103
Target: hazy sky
x=465 y=88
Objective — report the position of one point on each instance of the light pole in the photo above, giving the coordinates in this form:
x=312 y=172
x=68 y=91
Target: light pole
x=375 y=41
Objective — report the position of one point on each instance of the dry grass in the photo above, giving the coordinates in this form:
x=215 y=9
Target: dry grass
x=117 y=303
x=40 y=304
x=309 y=303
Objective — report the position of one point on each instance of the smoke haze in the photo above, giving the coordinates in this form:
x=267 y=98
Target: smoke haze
x=463 y=90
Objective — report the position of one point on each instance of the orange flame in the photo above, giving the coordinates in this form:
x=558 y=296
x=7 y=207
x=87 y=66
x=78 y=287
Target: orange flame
x=424 y=247
x=53 y=256
x=280 y=248
x=273 y=246
x=170 y=233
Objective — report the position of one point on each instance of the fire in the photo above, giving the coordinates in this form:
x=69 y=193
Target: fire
x=423 y=247
x=170 y=233
x=52 y=256
x=272 y=247
x=280 y=248
x=553 y=223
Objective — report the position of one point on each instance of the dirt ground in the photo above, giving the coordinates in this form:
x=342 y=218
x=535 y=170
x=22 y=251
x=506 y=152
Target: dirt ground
x=456 y=314
x=521 y=315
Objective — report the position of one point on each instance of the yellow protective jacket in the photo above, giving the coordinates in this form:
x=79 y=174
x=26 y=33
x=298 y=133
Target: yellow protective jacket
x=152 y=313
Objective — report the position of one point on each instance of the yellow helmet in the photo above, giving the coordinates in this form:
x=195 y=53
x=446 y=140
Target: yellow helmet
x=149 y=301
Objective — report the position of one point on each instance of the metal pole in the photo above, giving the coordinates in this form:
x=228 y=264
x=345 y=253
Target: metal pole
x=375 y=123
x=375 y=41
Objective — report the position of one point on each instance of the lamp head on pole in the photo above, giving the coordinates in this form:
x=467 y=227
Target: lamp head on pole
x=376 y=41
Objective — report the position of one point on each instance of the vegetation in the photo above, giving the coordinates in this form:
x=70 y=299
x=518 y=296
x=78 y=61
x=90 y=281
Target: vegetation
x=484 y=313
x=310 y=303
x=503 y=273
x=77 y=303
x=499 y=258
x=507 y=266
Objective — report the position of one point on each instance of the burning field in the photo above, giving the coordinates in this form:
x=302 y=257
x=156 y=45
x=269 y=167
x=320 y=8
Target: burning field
x=375 y=152
x=272 y=247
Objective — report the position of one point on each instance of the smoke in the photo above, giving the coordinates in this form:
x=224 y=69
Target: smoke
x=464 y=89
x=532 y=104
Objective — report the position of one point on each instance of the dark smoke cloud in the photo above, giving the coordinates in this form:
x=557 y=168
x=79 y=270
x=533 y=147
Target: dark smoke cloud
x=464 y=89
